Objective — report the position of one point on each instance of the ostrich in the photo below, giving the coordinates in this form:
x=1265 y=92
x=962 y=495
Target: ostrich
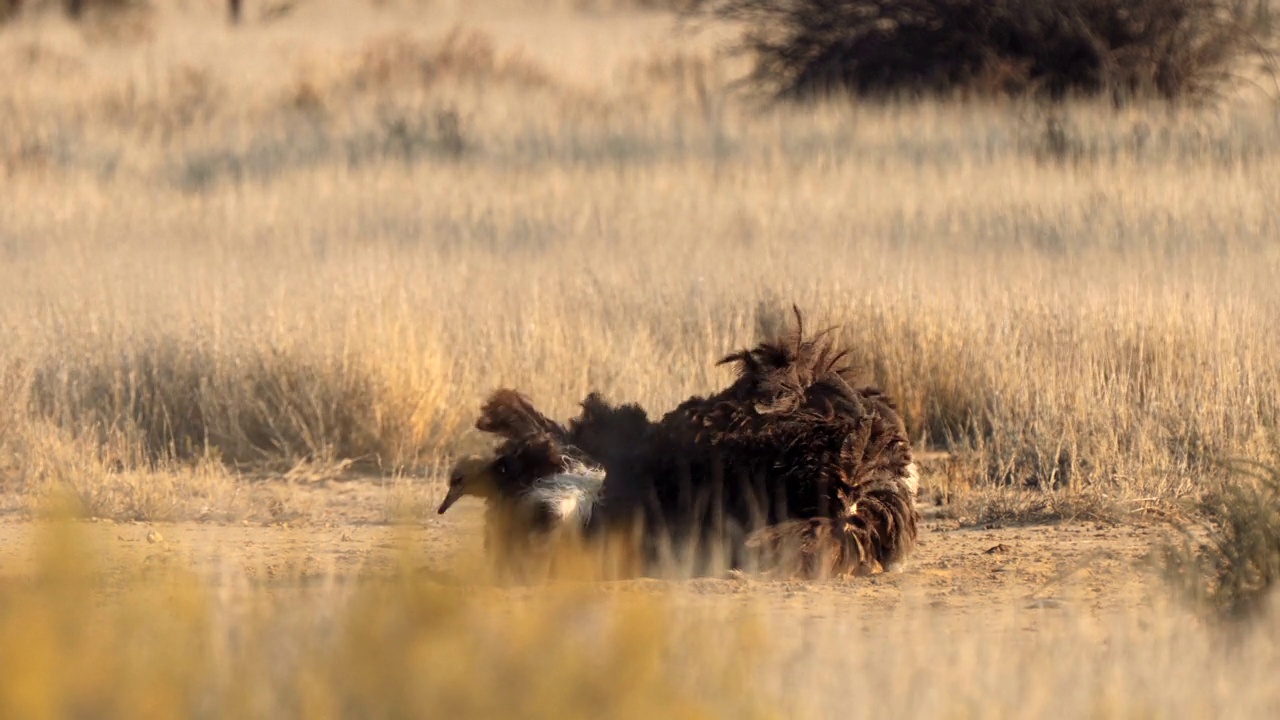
x=793 y=460
x=535 y=495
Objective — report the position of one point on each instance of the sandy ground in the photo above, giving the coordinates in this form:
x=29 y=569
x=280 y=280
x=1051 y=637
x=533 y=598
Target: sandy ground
x=1081 y=567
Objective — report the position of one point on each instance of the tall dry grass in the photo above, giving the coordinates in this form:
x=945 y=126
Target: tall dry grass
x=215 y=251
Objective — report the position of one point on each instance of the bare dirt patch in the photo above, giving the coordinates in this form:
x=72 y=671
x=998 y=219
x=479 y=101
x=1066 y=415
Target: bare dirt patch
x=969 y=571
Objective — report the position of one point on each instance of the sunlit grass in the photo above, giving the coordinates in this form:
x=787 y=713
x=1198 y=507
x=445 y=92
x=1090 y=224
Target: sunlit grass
x=309 y=247
x=1091 y=318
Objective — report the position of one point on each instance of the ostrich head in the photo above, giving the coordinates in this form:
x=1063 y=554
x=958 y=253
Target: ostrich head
x=511 y=470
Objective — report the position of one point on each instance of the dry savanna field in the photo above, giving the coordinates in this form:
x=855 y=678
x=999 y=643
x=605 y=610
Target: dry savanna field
x=255 y=281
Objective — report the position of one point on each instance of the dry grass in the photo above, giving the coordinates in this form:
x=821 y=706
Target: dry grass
x=1230 y=562
x=309 y=246
x=330 y=258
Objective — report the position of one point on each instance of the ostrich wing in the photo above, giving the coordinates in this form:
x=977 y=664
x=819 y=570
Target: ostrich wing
x=510 y=414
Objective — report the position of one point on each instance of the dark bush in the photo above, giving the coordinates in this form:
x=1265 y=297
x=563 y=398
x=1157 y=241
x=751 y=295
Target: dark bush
x=78 y=8
x=1172 y=49
x=74 y=9
x=9 y=8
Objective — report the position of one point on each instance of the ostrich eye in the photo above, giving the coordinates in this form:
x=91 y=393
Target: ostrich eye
x=503 y=466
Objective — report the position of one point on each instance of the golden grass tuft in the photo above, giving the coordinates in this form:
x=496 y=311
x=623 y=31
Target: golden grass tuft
x=1229 y=563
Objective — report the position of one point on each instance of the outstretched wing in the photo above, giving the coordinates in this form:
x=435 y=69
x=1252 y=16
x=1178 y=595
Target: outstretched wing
x=510 y=414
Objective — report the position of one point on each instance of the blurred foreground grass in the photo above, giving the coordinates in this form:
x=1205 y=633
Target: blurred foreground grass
x=89 y=634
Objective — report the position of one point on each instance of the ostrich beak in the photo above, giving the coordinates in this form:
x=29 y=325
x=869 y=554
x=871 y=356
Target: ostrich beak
x=455 y=493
